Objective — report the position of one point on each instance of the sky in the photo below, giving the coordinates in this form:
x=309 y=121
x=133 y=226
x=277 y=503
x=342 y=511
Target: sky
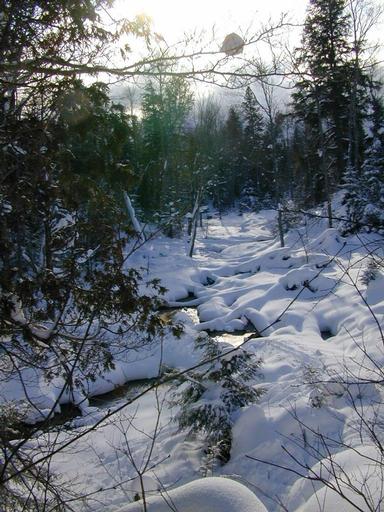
x=171 y=18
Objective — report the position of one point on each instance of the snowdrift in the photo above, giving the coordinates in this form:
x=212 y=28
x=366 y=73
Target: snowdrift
x=204 y=495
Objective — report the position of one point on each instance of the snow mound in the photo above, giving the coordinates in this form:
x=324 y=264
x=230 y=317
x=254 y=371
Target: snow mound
x=360 y=482
x=204 y=495
x=374 y=293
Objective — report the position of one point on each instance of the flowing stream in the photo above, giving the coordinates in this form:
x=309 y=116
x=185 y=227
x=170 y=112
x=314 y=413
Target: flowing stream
x=114 y=398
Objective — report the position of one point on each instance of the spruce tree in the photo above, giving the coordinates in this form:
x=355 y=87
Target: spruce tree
x=373 y=169
x=231 y=172
x=253 y=144
x=364 y=198
x=212 y=394
x=205 y=151
x=322 y=97
x=67 y=298
x=166 y=105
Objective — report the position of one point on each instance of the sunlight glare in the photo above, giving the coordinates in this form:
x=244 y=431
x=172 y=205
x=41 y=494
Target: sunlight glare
x=172 y=19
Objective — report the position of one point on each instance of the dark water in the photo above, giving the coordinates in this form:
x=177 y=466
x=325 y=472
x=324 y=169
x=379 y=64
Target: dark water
x=125 y=391
x=69 y=412
x=128 y=390
x=55 y=423
x=326 y=334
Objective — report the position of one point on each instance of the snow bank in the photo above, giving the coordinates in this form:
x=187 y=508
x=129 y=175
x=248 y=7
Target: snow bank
x=357 y=474
x=204 y=495
x=314 y=322
x=29 y=386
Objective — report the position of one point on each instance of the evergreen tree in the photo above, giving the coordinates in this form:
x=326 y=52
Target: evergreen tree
x=354 y=199
x=65 y=291
x=64 y=232
x=253 y=144
x=165 y=107
x=231 y=172
x=364 y=15
x=211 y=395
x=274 y=171
x=322 y=97
x=96 y=143
x=204 y=152
x=364 y=198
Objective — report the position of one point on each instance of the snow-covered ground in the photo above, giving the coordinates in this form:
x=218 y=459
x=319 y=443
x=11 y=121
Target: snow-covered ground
x=205 y=495
x=318 y=329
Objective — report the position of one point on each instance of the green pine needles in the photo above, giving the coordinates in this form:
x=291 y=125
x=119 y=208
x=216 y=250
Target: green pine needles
x=211 y=395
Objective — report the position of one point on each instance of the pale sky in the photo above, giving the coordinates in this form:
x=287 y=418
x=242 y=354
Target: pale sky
x=171 y=18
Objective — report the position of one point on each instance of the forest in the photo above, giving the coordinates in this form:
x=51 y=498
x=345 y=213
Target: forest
x=198 y=227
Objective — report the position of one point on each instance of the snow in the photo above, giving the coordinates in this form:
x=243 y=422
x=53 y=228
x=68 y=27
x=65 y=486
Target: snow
x=29 y=387
x=131 y=212
x=307 y=309
x=205 y=495
x=359 y=471
x=374 y=292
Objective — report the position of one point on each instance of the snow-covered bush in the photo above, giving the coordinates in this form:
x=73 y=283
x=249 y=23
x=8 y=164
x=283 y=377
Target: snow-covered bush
x=210 y=395
x=170 y=219
x=291 y=214
x=371 y=271
x=364 y=198
x=14 y=457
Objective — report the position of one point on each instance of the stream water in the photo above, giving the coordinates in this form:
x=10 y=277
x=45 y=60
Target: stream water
x=123 y=392
x=128 y=390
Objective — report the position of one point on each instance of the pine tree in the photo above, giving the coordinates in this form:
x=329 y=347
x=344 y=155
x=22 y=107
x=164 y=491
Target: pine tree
x=65 y=291
x=373 y=169
x=364 y=198
x=364 y=16
x=253 y=119
x=253 y=144
x=211 y=395
x=322 y=97
x=355 y=200
x=231 y=172
x=205 y=151
x=165 y=107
